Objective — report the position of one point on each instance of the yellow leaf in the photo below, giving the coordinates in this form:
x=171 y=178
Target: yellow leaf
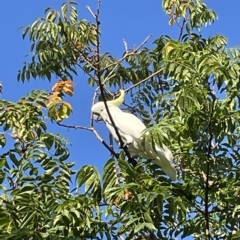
x=53 y=101
x=63 y=111
x=14 y=135
x=168 y=48
x=171 y=21
x=65 y=86
x=68 y=90
x=57 y=86
x=68 y=105
x=55 y=94
x=31 y=135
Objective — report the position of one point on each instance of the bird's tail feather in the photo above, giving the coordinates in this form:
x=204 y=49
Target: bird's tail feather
x=163 y=157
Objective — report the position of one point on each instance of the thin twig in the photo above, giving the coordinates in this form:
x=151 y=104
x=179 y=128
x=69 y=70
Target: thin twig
x=74 y=126
x=125 y=46
x=112 y=74
x=111 y=141
x=90 y=10
x=89 y=74
x=104 y=143
x=144 y=42
x=127 y=54
x=88 y=60
x=181 y=28
x=93 y=101
x=144 y=80
x=96 y=134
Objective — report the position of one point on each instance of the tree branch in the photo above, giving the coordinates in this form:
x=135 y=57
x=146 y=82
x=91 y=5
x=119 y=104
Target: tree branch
x=144 y=80
x=111 y=140
x=96 y=134
x=93 y=100
x=101 y=87
x=90 y=10
x=209 y=151
x=127 y=54
x=181 y=28
x=125 y=45
x=98 y=71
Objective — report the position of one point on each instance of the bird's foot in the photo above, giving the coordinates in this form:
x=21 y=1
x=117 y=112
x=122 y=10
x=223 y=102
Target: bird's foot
x=122 y=145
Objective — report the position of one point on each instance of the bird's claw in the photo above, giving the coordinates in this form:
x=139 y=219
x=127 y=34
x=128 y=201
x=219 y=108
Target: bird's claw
x=123 y=145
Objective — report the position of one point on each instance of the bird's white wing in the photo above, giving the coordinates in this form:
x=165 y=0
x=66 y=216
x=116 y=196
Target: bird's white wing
x=162 y=157
x=127 y=139
x=127 y=123
x=131 y=128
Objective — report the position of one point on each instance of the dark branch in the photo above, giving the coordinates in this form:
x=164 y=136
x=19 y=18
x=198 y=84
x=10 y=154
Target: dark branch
x=73 y=126
x=181 y=28
x=96 y=134
x=144 y=80
x=111 y=140
x=209 y=152
x=101 y=87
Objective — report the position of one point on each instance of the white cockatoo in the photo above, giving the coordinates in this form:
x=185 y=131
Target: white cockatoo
x=132 y=130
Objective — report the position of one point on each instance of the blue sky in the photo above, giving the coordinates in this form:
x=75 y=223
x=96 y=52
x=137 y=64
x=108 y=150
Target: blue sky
x=130 y=20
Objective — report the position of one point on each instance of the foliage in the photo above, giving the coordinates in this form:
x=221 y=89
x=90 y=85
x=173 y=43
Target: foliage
x=58 y=40
x=57 y=108
x=186 y=91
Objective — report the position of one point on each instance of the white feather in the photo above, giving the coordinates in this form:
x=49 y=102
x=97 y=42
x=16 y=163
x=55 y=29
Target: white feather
x=131 y=130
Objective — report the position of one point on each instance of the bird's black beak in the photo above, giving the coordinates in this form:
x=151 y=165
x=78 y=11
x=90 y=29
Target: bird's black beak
x=97 y=117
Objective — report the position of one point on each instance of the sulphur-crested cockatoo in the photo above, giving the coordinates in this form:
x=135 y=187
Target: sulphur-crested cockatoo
x=132 y=130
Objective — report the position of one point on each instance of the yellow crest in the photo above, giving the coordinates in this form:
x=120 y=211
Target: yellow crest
x=118 y=101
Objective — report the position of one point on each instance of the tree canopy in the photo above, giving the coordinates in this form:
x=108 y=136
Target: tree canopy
x=185 y=90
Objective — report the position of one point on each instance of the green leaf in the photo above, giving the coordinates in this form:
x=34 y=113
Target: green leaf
x=2 y=140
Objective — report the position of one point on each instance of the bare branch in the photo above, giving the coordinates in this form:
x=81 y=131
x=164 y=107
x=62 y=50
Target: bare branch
x=125 y=45
x=96 y=134
x=144 y=42
x=104 y=143
x=181 y=28
x=93 y=100
x=101 y=87
x=90 y=10
x=127 y=54
x=74 y=126
x=89 y=74
x=101 y=83
x=144 y=80
x=84 y=57
x=111 y=140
